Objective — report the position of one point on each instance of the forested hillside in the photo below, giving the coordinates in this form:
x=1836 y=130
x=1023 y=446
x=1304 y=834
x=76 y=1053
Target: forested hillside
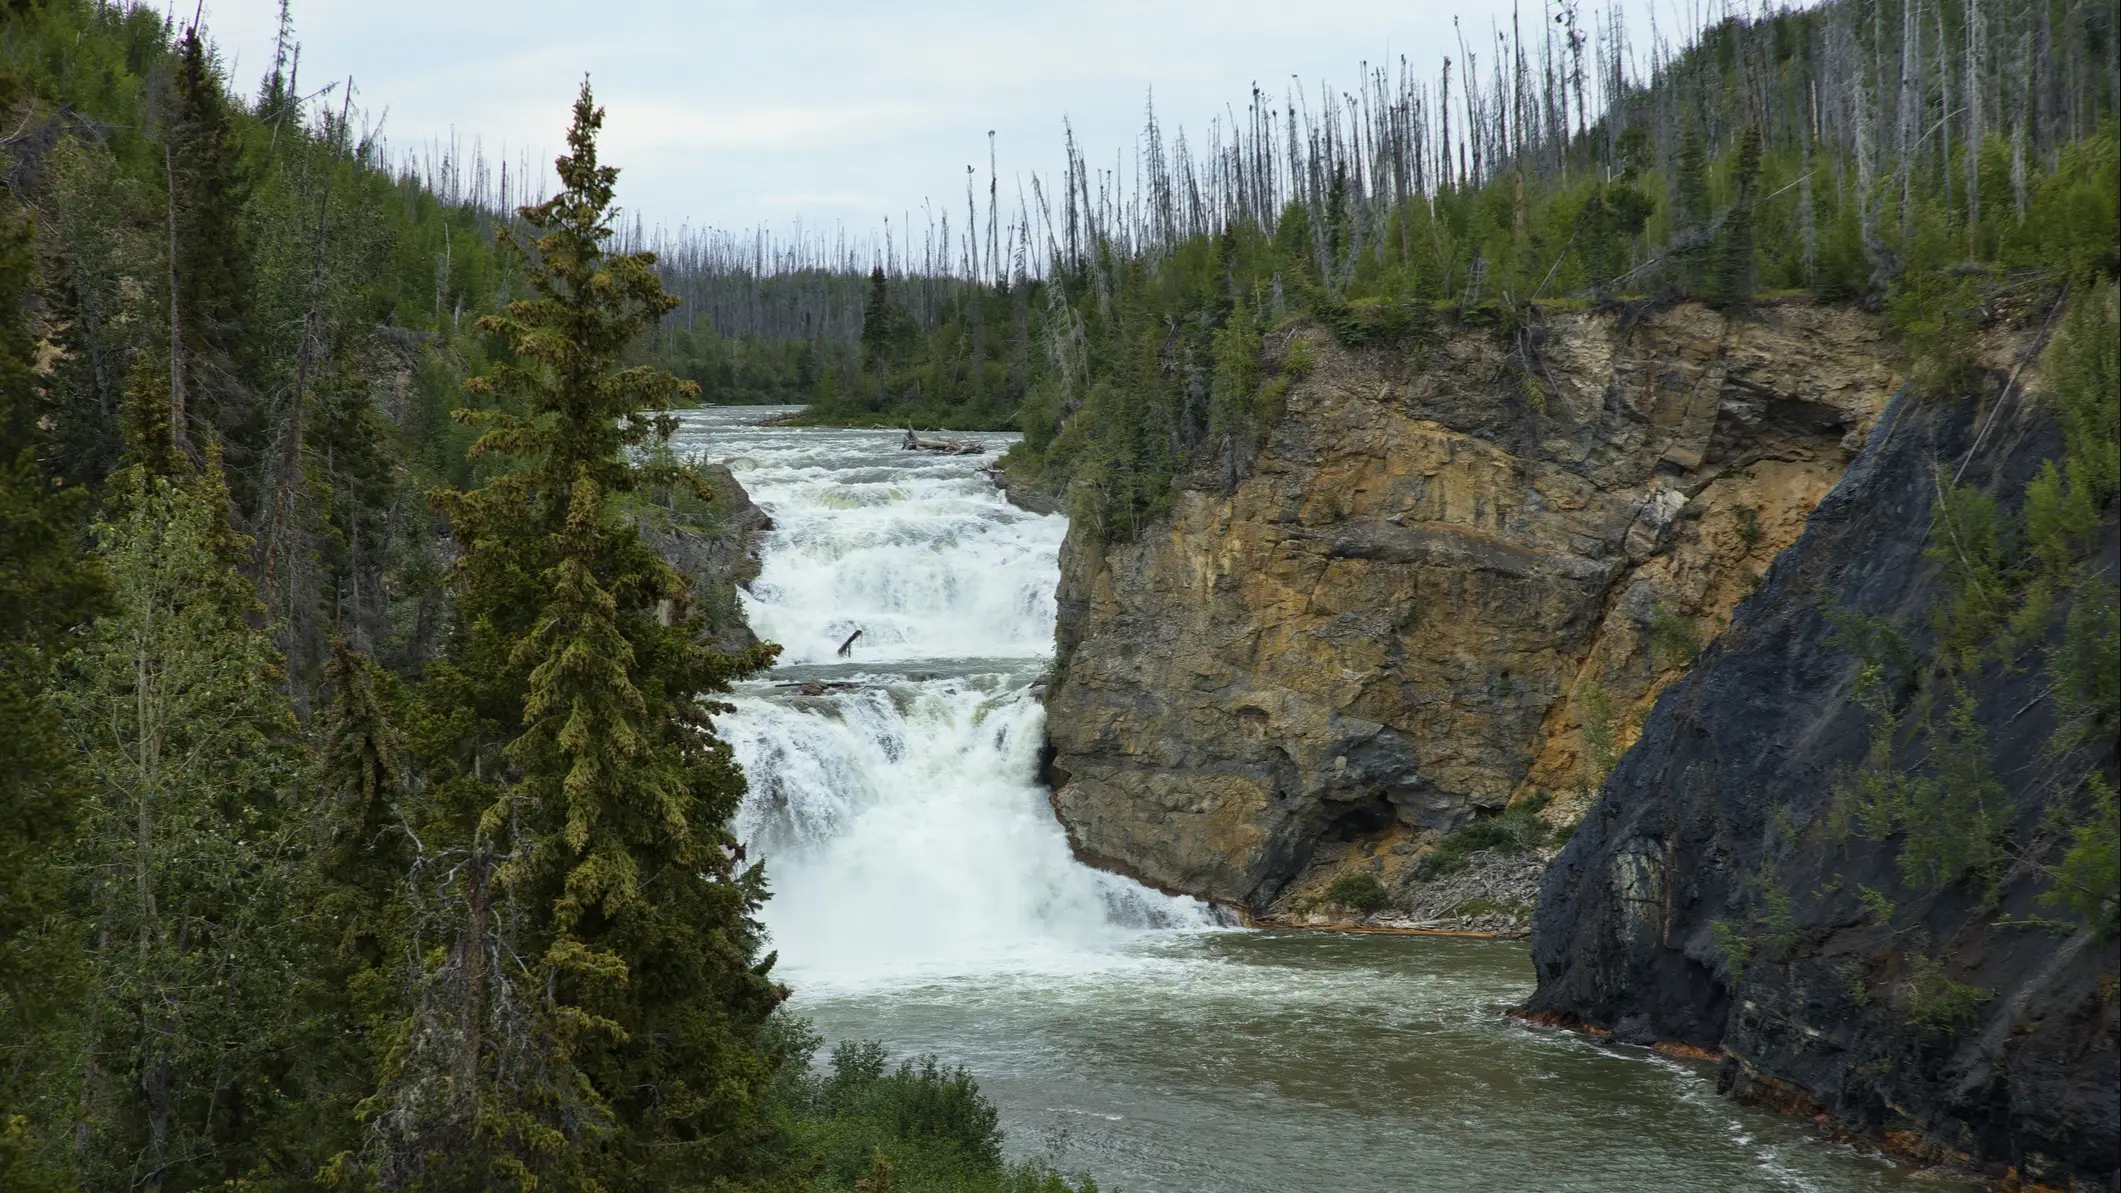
x=1937 y=161
x=362 y=824
x=362 y=820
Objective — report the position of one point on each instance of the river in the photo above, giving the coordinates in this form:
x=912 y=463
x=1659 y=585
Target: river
x=925 y=896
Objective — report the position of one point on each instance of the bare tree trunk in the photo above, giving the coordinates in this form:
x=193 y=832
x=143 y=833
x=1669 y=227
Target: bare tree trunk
x=1974 y=86
x=157 y=1076
x=2018 y=182
x=1807 y=233
x=1909 y=136
x=471 y=1014
x=180 y=433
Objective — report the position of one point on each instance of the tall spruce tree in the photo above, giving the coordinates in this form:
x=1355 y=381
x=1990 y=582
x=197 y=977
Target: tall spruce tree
x=361 y=850
x=1737 y=256
x=888 y=331
x=211 y=269
x=1691 y=231
x=46 y=589
x=606 y=997
x=1614 y=215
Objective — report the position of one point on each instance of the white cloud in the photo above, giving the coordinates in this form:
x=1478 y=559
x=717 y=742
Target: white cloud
x=734 y=112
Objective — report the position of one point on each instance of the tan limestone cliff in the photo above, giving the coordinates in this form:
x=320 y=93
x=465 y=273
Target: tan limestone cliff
x=1402 y=618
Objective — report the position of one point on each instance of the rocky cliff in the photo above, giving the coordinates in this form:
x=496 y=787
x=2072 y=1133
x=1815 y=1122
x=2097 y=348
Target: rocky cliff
x=1441 y=569
x=1723 y=894
x=714 y=544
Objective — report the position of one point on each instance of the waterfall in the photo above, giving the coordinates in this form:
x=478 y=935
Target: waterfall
x=894 y=793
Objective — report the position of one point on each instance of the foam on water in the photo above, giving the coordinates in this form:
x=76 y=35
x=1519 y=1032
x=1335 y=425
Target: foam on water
x=898 y=808
x=918 y=552
x=924 y=895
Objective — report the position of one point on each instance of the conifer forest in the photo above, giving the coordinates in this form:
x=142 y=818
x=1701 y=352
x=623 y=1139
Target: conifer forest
x=374 y=774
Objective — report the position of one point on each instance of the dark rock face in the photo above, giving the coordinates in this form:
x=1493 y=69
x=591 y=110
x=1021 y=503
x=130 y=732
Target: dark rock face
x=715 y=548
x=1721 y=809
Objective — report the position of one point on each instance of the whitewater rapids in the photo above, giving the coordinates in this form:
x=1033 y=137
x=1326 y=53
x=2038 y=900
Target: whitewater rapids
x=894 y=792
x=924 y=896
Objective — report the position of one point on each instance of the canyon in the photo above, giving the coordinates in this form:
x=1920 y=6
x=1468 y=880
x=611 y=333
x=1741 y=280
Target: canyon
x=1626 y=574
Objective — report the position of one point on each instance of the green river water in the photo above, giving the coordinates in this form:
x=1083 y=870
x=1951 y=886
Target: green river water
x=924 y=896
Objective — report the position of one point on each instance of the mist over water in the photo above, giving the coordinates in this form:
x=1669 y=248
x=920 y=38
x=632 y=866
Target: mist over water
x=924 y=895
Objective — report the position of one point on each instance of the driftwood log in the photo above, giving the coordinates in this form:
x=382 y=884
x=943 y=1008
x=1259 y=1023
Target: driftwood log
x=947 y=447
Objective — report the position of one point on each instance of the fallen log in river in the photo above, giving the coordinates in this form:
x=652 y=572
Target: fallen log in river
x=947 y=447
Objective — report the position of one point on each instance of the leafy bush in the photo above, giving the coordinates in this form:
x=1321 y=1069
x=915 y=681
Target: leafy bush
x=2088 y=880
x=1732 y=943
x=1956 y=820
x=916 y=1127
x=1938 y=316
x=1672 y=638
x=1517 y=830
x=1935 y=1000
x=1601 y=738
x=1358 y=889
x=1876 y=904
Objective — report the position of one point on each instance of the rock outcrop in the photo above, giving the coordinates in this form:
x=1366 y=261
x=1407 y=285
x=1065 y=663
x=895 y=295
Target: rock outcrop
x=1711 y=899
x=715 y=545
x=1434 y=576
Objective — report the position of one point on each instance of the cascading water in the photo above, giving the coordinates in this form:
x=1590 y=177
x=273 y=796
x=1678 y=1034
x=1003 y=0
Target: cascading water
x=893 y=791
x=923 y=895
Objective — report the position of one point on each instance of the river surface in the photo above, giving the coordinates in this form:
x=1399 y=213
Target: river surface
x=925 y=896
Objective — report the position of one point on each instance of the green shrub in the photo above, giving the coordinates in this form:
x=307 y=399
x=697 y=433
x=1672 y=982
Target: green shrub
x=1935 y=1000
x=1938 y=316
x=1955 y=821
x=1856 y=980
x=1672 y=638
x=1517 y=830
x=2088 y=880
x=1777 y=929
x=1970 y=543
x=1601 y=737
x=1376 y=322
x=1732 y=943
x=921 y=1126
x=1876 y=904
x=1749 y=531
x=1357 y=889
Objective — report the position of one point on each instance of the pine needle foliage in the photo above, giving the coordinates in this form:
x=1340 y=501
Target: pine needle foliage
x=183 y=854
x=589 y=771
x=46 y=590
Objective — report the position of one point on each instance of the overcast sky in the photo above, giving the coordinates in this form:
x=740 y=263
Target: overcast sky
x=734 y=114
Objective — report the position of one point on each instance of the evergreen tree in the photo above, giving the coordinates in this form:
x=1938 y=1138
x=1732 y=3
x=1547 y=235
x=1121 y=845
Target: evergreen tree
x=886 y=330
x=1614 y=216
x=1737 y=256
x=1691 y=233
x=183 y=853
x=211 y=268
x=361 y=766
x=45 y=590
x=361 y=853
x=623 y=1050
